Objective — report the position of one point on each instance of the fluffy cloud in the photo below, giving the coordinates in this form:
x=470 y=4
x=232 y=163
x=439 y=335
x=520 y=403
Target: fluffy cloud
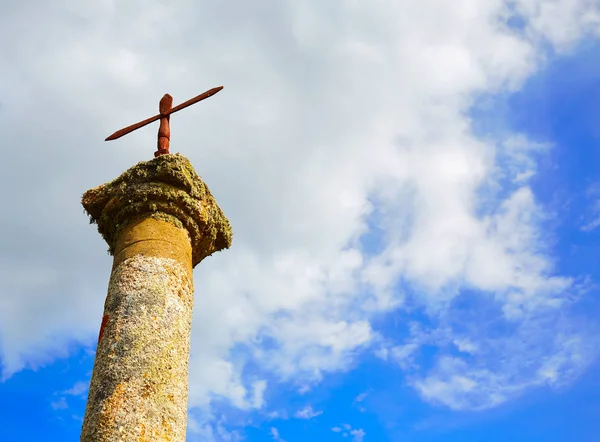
x=275 y=435
x=307 y=413
x=357 y=434
x=337 y=120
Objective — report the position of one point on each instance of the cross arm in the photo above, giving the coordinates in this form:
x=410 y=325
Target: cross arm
x=128 y=129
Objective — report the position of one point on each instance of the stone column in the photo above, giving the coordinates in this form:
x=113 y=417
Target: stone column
x=159 y=220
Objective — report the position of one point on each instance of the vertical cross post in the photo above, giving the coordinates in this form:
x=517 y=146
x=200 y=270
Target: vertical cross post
x=164 y=130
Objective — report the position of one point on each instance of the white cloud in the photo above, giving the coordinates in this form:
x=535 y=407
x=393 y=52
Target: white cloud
x=60 y=404
x=592 y=219
x=307 y=413
x=346 y=430
x=594 y=223
x=361 y=397
x=358 y=435
x=502 y=368
x=79 y=389
x=562 y=22
x=331 y=114
x=358 y=401
x=275 y=435
x=209 y=428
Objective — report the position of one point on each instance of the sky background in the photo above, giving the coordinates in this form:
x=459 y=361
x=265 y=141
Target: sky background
x=413 y=187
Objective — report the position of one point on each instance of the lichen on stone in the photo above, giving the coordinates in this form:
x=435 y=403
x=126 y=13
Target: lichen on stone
x=166 y=188
x=139 y=386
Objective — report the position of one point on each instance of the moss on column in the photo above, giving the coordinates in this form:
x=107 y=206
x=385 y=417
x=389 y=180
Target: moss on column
x=159 y=220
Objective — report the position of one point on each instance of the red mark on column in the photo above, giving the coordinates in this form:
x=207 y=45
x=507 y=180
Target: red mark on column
x=104 y=321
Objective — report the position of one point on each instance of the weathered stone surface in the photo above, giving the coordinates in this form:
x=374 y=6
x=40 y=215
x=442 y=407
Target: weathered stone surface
x=139 y=385
x=159 y=221
x=166 y=188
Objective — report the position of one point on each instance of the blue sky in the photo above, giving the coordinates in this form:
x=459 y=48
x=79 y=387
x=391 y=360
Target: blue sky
x=355 y=322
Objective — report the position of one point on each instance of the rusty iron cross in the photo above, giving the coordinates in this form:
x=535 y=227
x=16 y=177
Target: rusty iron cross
x=165 y=109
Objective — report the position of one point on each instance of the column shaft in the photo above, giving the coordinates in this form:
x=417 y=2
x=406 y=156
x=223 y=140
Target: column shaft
x=139 y=385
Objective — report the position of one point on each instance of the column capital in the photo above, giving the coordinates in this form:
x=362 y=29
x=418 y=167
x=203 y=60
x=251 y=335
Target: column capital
x=165 y=188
